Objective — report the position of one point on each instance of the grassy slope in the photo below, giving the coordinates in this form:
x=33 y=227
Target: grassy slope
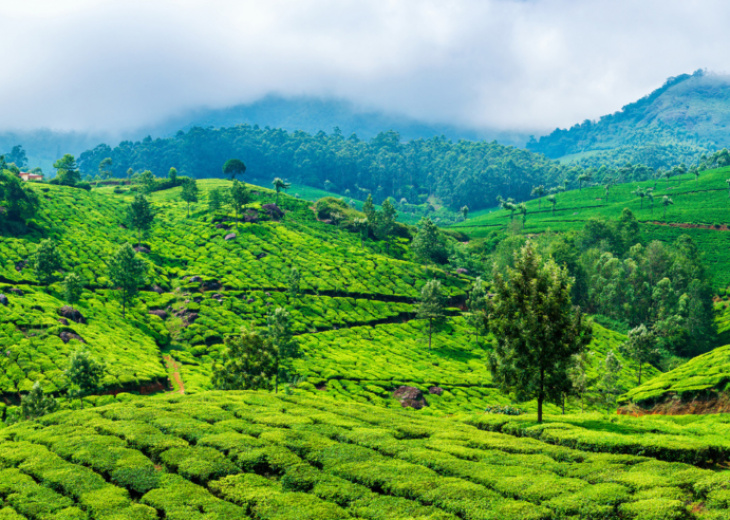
x=218 y=456
x=702 y=202
x=353 y=320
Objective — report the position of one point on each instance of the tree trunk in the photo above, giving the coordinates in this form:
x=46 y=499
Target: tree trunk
x=563 y=403
x=277 y=197
x=639 y=372
x=276 y=377
x=540 y=396
x=430 y=324
x=188 y=210
x=539 y=408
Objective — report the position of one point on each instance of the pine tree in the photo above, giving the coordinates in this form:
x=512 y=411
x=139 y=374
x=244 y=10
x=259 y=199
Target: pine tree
x=537 y=328
x=127 y=272
x=47 y=261
x=640 y=347
x=280 y=334
x=140 y=216
x=248 y=363
x=294 y=282
x=72 y=288
x=428 y=244
x=84 y=375
x=431 y=306
x=578 y=374
x=190 y=192
x=36 y=404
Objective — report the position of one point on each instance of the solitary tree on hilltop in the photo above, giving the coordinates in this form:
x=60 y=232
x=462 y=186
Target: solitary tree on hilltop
x=67 y=172
x=537 y=328
x=190 y=192
x=234 y=167
x=431 y=306
x=140 y=216
x=552 y=199
x=127 y=272
x=279 y=185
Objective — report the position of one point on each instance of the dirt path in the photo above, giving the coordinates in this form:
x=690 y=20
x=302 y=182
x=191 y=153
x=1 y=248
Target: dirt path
x=686 y=225
x=175 y=378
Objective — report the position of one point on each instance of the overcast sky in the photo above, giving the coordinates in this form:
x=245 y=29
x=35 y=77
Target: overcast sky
x=532 y=64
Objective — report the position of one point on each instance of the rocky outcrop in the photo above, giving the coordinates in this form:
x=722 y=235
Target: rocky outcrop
x=4 y=300
x=67 y=336
x=273 y=211
x=159 y=313
x=71 y=314
x=229 y=236
x=410 y=397
x=435 y=390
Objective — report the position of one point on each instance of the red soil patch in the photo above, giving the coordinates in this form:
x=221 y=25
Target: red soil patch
x=686 y=225
x=175 y=376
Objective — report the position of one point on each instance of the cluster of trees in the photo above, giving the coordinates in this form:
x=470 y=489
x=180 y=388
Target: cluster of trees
x=663 y=287
x=462 y=173
x=19 y=203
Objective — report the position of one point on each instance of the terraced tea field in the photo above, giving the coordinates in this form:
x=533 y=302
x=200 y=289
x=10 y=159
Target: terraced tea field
x=251 y=455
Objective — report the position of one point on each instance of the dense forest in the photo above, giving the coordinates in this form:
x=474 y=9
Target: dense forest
x=458 y=173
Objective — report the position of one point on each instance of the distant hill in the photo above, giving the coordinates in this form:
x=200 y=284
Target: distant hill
x=687 y=116
x=309 y=114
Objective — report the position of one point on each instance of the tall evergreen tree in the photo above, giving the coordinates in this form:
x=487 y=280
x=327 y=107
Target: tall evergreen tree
x=640 y=347
x=294 y=281
x=36 y=404
x=537 y=328
x=127 y=272
x=84 y=375
x=431 y=306
x=140 y=216
x=239 y=197
x=608 y=385
x=428 y=245
x=282 y=338
x=72 y=288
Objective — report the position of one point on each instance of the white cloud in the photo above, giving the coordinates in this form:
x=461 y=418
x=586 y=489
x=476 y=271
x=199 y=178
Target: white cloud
x=92 y=64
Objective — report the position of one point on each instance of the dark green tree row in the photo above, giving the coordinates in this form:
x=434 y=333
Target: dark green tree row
x=463 y=173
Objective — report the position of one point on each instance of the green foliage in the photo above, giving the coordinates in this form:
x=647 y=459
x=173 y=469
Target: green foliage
x=36 y=404
x=46 y=261
x=641 y=347
x=538 y=329
x=249 y=362
x=279 y=185
x=126 y=272
x=234 y=167
x=215 y=200
x=73 y=286
x=431 y=306
x=67 y=173
x=140 y=216
x=84 y=374
x=190 y=193
x=20 y=203
x=428 y=244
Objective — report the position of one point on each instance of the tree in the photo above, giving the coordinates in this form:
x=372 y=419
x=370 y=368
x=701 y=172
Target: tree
x=607 y=188
x=19 y=201
x=215 y=200
x=47 y=261
x=234 y=167
x=552 y=199
x=369 y=209
x=650 y=196
x=728 y=186
x=72 y=288
x=428 y=245
x=239 y=197
x=17 y=156
x=36 y=404
x=130 y=172
x=140 y=216
x=127 y=272
x=608 y=385
x=385 y=221
x=476 y=305
x=104 y=168
x=537 y=327
x=640 y=347
x=294 y=281
x=280 y=334
x=172 y=176
x=190 y=192
x=465 y=211
x=578 y=374
x=67 y=173
x=583 y=177
x=697 y=172
x=84 y=375
x=538 y=191
x=361 y=225
x=248 y=363
x=666 y=202
x=147 y=180
x=431 y=306
x=279 y=185
x=641 y=194
x=522 y=208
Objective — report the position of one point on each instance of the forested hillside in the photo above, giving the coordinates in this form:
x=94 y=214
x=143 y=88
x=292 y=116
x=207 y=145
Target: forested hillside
x=458 y=173
x=687 y=117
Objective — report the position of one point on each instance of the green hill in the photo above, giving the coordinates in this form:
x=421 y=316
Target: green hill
x=354 y=318
x=219 y=456
x=687 y=116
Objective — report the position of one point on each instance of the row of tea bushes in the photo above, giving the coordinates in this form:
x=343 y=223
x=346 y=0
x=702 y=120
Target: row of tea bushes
x=219 y=455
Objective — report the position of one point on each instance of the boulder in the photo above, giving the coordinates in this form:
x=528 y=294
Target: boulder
x=158 y=289
x=210 y=285
x=67 y=336
x=229 y=236
x=195 y=279
x=16 y=291
x=273 y=211
x=142 y=249
x=3 y=300
x=435 y=390
x=72 y=314
x=63 y=321
x=410 y=397
x=222 y=226
x=19 y=266
x=261 y=255
x=159 y=313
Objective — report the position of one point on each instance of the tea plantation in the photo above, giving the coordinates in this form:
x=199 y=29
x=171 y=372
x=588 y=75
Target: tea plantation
x=255 y=455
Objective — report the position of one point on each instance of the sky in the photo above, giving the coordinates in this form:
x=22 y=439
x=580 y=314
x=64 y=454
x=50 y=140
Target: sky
x=508 y=64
